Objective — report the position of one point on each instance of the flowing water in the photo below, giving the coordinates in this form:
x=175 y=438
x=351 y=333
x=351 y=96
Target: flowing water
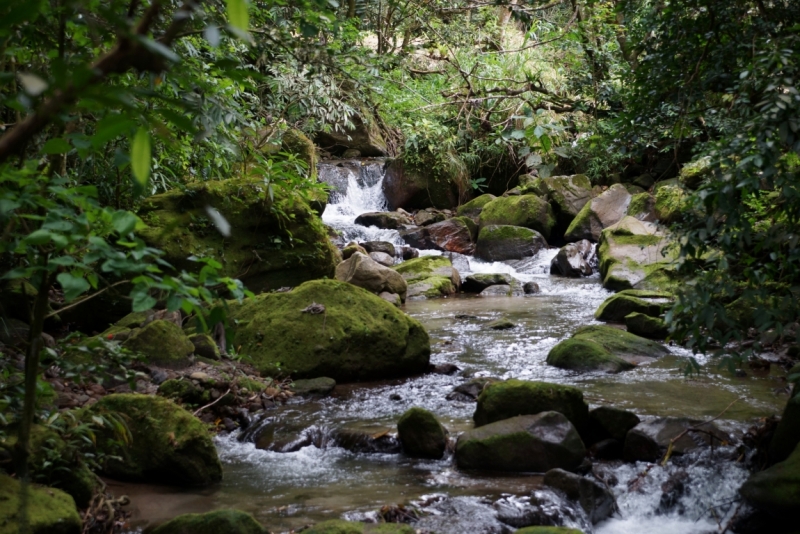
x=324 y=480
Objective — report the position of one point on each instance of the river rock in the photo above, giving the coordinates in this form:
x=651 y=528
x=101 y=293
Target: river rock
x=776 y=489
x=643 y=207
x=607 y=422
x=163 y=343
x=469 y=391
x=272 y=243
x=391 y=298
x=453 y=235
x=414 y=186
x=382 y=258
x=50 y=511
x=359 y=336
x=604 y=348
x=501 y=400
x=503 y=290
x=338 y=526
x=428 y=216
x=351 y=248
x=321 y=387
x=409 y=253
x=548 y=530
x=527 y=443
x=636 y=255
x=421 y=435
x=474 y=207
x=603 y=211
x=363 y=135
x=475 y=283
x=363 y=271
x=219 y=521
x=531 y=288
x=167 y=445
x=567 y=194
x=380 y=246
x=573 y=260
x=499 y=243
x=205 y=346
x=616 y=307
x=646 y=326
x=694 y=173
x=430 y=277
x=787 y=433
x=502 y=323
x=648 y=441
x=389 y=220
x=528 y=211
x=596 y=500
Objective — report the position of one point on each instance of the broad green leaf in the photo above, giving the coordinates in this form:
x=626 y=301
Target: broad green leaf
x=73 y=286
x=141 y=156
x=124 y=222
x=142 y=302
x=238 y=16
x=56 y=146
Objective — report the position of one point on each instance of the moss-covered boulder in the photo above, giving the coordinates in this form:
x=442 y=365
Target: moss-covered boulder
x=167 y=444
x=205 y=346
x=670 y=204
x=296 y=142
x=271 y=244
x=501 y=400
x=636 y=255
x=358 y=336
x=566 y=194
x=642 y=207
x=616 y=307
x=50 y=511
x=421 y=434
x=604 y=348
x=364 y=135
x=527 y=443
x=777 y=489
x=218 y=522
x=499 y=243
x=415 y=185
x=643 y=325
x=695 y=172
x=338 y=526
x=430 y=277
x=163 y=343
x=787 y=434
x=475 y=283
x=528 y=211
x=600 y=213
x=183 y=390
x=474 y=207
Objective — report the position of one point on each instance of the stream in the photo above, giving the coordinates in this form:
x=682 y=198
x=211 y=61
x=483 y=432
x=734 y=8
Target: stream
x=288 y=490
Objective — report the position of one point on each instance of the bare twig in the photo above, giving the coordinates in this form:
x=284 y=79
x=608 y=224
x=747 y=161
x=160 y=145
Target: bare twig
x=695 y=428
x=78 y=303
x=210 y=404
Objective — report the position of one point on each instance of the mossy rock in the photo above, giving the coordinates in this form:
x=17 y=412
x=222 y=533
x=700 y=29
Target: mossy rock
x=502 y=242
x=50 y=511
x=252 y=385
x=218 y=522
x=584 y=355
x=168 y=444
x=647 y=326
x=787 y=434
x=474 y=207
x=314 y=386
x=548 y=530
x=642 y=207
x=421 y=434
x=567 y=195
x=363 y=135
x=272 y=243
x=205 y=346
x=616 y=307
x=776 y=489
x=338 y=526
x=670 y=204
x=429 y=277
x=425 y=183
x=599 y=213
x=296 y=142
x=501 y=400
x=183 y=390
x=528 y=211
x=359 y=336
x=694 y=173
x=162 y=343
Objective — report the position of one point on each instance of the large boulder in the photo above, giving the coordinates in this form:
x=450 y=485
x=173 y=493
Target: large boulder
x=528 y=211
x=527 y=443
x=694 y=173
x=636 y=255
x=475 y=283
x=776 y=489
x=643 y=207
x=50 y=511
x=349 y=335
x=574 y=260
x=364 y=135
x=603 y=211
x=604 y=348
x=227 y=521
x=500 y=242
x=454 y=235
x=596 y=499
x=606 y=422
x=474 y=207
x=430 y=277
x=567 y=194
x=416 y=186
x=670 y=204
x=363 y=271
x=391 y=220
x=421 y=435
x=162 y=342
x=646 y=326
x=271 y=243
x=648 y=441
x=167 y=444
x=501 y=400
x=380 y=246
x=616 y=307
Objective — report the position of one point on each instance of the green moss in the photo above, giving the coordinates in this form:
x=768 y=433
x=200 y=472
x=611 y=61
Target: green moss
x=338 y=526
x=777 y=489
x=692 y=174
x=432 y=287
x=424 y=267
x=621 y=343
x=528 y=211
x=787 y=434
x=644 y=325
x=585 y=355
x=421 y=434
x=182 y=390
x=358 y=337
x=641 y=203
x=167 y=445
x=581 y=224
x=470 y=224
x=670 y=204
x=503 y=233
x=616 y=307
x=272 y=243
x=162 y=343
x=227 y=521
x=251 y=385
x=510 y=398
x=475 y=205
x=50 y=511
x=205 y=346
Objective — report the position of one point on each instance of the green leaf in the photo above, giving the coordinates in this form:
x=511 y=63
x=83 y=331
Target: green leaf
x=238 y=17
x=56 y=146
x=73 y=286
x=546 y=142
x=141 y=156
x=124 y=222
x=142 y=302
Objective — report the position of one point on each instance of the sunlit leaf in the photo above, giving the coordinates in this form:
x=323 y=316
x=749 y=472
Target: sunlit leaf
x=141 y=156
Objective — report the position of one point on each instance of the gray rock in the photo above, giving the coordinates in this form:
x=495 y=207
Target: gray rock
x=596 y=499
x=380 y=246
x=394 y=298
x=322 y=386
x=574 y=260
x=502 y=290
x=600 y=213
x=499 y=243
x=648 y=441
x=362 y=271
x=475 y=283
x=607 y=422
x=382 y=258
x=390 y=220
x=502 y=323
x=531 y=288
x=421 y=434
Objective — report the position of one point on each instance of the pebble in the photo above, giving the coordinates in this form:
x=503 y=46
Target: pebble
x=199 y=375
